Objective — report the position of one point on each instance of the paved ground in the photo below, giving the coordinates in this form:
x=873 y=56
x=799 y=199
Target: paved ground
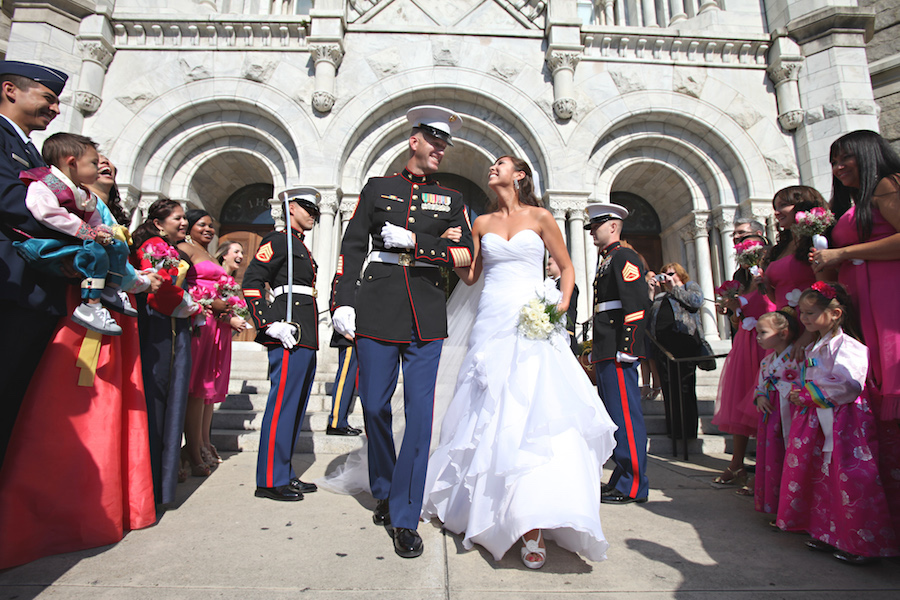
x=691 y=541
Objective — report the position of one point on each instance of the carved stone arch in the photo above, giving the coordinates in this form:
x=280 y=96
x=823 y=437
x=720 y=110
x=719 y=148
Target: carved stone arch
x=289 y=129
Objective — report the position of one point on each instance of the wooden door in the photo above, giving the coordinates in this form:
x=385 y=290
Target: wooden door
x=249 y=239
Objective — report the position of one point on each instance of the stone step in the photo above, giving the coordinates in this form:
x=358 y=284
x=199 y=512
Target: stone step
x=251 y=420
x=308 y=442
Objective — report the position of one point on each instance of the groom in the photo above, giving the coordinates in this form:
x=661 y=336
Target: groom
x=398 y=313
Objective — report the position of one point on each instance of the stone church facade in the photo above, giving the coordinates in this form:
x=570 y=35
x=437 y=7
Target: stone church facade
x=691 y=112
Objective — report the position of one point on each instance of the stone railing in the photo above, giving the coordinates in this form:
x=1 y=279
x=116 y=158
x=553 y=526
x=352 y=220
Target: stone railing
x=650 y=45
x=242 y=33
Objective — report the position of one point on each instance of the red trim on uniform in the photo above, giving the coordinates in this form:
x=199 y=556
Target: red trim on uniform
x=412 y=306
x=629 y=431
x=276 y=412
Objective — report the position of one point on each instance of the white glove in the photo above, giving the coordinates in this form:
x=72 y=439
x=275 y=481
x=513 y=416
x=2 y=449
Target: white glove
x=622 y=357
x=284 y=333
x=344 y=321
x=397 y=237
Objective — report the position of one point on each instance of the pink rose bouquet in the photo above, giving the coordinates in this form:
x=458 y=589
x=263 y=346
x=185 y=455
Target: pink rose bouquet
x=750 y=253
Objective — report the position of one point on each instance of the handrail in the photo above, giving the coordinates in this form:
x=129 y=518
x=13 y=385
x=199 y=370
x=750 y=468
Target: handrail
x=678 y=361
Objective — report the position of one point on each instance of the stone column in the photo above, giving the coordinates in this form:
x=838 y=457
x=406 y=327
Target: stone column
x=677 y=10
x=648 y=10
x=698 y=229
x=576 y=248
x=785 y=61
x=327 y=58
x=706 y=5
x=328 y=208
x=559 y=215
x=95 y=45
x=347 y=208
x=562 y=65
x=724 y=220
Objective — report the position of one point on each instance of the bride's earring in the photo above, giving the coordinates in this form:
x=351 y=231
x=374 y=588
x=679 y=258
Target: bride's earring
x=516 y=184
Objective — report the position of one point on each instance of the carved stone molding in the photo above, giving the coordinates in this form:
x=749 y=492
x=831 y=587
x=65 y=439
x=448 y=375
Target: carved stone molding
x=332 y=53
x=98 y=51
x=563 y=60
x=323 y=101
x=791 y=119
x=724 y=218
x=277 y=211
x=328 y=203
x=87 y=102
x=564 y=108
x=348 y=207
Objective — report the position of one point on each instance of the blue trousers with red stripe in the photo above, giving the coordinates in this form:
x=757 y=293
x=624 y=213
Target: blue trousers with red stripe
x=401 y=479
x=291 y=374
x=344 y=386
x=618 y=386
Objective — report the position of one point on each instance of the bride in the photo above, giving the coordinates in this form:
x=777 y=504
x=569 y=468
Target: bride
x=525 y=437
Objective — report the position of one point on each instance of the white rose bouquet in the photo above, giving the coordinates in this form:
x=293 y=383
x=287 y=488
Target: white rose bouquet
x=541 y=316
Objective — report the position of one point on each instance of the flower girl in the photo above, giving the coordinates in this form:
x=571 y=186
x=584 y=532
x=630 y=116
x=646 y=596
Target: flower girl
x=830 y=486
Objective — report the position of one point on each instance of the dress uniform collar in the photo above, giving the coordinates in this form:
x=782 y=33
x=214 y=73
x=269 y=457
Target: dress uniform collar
x=416 y=178
x=605 y=252
x=298 y=233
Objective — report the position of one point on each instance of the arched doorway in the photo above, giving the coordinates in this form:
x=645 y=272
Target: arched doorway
x=246 y=218
x=642 y=227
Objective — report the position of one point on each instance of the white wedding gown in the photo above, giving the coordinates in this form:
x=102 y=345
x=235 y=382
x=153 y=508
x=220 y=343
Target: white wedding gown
x=525 y=437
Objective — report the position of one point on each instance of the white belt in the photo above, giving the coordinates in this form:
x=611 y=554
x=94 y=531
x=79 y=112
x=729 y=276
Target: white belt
x=404 y=259
x=303 y=290
x=608 y=305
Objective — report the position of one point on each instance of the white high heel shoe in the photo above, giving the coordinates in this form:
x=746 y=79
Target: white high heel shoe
x=533 y=547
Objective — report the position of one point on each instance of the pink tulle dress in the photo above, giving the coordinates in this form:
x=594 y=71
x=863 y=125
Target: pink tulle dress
x=878 y=310
x=831 y=487
x=211 y=348
x=787 y=277
x=735 y=412
x=777 y=373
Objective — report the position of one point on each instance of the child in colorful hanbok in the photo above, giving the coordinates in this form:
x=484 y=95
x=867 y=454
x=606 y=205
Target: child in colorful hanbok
x=775 y=331
x=830 y=487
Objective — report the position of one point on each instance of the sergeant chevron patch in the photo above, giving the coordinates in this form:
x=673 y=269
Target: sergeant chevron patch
x=630 y=272
x=265 y=252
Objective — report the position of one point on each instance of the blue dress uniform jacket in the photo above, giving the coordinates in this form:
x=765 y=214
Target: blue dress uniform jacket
x=620 y=277
x=392 y=299
x=269 y=265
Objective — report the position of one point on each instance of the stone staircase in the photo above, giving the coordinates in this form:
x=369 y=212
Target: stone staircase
x=237 y=421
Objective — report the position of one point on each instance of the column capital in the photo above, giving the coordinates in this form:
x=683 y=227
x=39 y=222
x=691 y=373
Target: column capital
x=95 y=49
x=323 y=101
x=348 y=206
x=329 y=201
x=558 y=59
x=570 y=202
x=699 y=224
x=331 y=52
x=724 y=217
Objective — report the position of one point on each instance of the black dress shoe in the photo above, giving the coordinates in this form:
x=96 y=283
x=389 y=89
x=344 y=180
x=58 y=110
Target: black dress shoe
x=342 y=430
x=854 y=559
x=284 y=493
x=819 y=545
x=407 y=542
x=606 y=489
x=382 y=514
x=302 y=486
x=617 y=497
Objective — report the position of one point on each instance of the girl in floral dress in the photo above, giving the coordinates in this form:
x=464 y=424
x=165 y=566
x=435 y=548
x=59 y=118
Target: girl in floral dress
x=830 y=487
x=776 y=332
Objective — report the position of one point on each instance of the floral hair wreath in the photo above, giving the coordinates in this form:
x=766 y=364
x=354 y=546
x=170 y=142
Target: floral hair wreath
x=825 y=289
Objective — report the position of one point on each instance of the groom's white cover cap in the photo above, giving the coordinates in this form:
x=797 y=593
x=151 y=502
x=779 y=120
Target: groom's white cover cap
x=435 y=120
x=601 y=212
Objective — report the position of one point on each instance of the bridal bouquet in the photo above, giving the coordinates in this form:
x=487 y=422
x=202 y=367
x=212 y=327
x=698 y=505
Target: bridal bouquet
x=541 y=316
x=203 y=296
x=727 y=291
x=750 y=253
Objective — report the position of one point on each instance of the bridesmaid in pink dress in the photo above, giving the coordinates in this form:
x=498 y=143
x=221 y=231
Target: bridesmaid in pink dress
x=210 y=345
x=866 y=249
x=831 y=487
x=735 y=412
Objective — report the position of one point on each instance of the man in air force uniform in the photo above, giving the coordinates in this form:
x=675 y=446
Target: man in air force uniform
x=621 y=308
x=399 y=314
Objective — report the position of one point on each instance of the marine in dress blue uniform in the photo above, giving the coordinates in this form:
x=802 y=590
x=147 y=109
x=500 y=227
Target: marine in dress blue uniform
x=399 y=314
x=621 y=309
x=31 y=302
x=292 y=339
x=344 y=388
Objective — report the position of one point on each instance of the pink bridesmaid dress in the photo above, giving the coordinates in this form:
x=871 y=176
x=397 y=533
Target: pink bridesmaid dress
x=211 y=349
